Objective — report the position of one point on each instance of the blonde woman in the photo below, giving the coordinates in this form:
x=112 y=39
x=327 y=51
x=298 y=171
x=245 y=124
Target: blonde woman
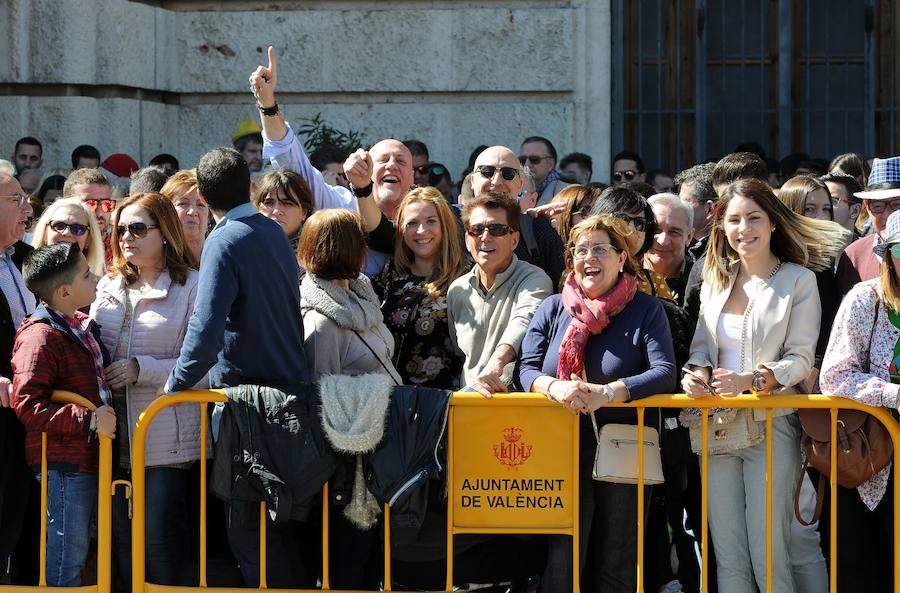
x=757 y=332
x=70 y=221
x=428 y=256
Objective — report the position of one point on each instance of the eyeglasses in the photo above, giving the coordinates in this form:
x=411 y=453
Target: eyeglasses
x=19 y=198
x=488 y=171
x=534 y=160
x=106 y=205
x=628 y=175
x=878 y=207
x=597 y=251
x=429 y=168
x=637 y=222
x=74 y=228
x=270 y=204
x=138 y=230
x=495 y=229
x=895 y=250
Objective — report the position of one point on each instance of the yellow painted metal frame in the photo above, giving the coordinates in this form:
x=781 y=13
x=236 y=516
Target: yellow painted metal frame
x=203 y=398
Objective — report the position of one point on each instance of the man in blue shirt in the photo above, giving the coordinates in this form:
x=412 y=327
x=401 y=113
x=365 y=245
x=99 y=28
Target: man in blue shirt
x=245 y=329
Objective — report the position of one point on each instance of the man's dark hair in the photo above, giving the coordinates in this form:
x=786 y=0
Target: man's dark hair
x=549 y=145
x=641 y=187
x=788 y=166
x=223 y=179
x=163 y=159
x=326 y=154
x=851 y=185
x=491 y=200
x=813 y=166
x=631 y=156
x=417 y=148
x=652 y=174
x=149 y=179
x=243 y=141
x=30 y=141
x=85 y=151
x=754 y=147
x=701 y=179
x=620 y=201
x=47 y=268
x=739 y=165
x=578 y=158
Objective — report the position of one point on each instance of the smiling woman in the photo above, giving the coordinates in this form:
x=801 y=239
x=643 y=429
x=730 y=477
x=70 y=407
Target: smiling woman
x=70 y=221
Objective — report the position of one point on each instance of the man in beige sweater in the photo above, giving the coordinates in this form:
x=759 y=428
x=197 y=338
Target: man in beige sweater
x=490 y=307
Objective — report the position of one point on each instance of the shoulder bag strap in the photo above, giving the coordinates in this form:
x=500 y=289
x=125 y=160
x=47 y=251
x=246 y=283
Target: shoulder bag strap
x=378 y=358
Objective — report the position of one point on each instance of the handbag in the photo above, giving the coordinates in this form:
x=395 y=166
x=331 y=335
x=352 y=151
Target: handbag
x=865 y=446
x=616 y=459
x=730 y=430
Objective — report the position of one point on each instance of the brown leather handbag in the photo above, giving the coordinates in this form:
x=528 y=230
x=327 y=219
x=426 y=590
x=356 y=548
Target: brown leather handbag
x=864 y=444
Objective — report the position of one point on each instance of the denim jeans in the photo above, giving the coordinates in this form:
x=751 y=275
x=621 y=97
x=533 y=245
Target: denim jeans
x=71 y=502
x=737 y=511
x=167 y=531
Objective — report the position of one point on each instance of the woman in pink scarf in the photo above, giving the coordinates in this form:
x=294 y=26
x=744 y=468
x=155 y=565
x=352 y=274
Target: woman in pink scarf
x=601 y=340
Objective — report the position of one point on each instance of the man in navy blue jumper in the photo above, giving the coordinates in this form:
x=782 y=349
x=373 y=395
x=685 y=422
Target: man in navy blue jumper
x=245 y=329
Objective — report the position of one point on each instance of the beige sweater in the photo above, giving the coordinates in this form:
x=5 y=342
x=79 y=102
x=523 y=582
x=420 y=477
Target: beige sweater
x=481 y=321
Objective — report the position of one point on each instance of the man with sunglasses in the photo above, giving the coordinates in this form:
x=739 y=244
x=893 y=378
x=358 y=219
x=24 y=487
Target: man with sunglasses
x=421 y=160
x=490 y=307
x=539 y=155
x=859 y=262
x=627 y=167
x=91 y=187
x=16 y=302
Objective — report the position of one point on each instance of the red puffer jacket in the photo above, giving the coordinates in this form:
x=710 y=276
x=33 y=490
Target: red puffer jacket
x=48 y=356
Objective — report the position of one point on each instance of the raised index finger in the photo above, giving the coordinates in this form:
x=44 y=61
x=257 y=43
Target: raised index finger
x=273 y=65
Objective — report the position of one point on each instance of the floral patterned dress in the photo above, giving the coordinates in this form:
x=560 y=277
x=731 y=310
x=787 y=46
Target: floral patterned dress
x=424 y=353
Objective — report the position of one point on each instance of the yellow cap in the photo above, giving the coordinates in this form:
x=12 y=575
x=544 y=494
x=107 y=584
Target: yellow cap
x=245 y=128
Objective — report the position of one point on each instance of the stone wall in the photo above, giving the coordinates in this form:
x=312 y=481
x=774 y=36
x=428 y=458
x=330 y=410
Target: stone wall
x=171 y=76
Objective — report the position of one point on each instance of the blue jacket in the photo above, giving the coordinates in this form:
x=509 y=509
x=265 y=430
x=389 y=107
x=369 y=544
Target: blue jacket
x=245 y=328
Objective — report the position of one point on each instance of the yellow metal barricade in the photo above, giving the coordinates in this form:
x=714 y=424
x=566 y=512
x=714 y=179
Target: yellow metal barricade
x=104 y=508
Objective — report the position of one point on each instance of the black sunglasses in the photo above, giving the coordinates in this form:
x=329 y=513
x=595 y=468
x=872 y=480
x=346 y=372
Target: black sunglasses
x=495 y=229
x=628 y=175
x=74 y=228
x=137 y=229
x=488 y=171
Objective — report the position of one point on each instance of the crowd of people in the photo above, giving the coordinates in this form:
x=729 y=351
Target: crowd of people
x=269 y=271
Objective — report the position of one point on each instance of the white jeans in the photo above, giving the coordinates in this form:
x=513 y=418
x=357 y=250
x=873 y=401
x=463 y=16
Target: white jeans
x=737 y=511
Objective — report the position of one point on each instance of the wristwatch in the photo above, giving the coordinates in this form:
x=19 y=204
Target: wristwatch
x=758 y=383
x=610 y=393
x=362 y=192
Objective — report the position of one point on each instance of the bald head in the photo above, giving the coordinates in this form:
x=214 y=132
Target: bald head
x=392 y=175
x=502 y=159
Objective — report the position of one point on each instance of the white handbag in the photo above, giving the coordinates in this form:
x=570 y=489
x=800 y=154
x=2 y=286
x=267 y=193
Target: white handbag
x=617 y=454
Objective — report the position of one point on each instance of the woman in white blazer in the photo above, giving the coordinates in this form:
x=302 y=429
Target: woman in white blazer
x=758 y=326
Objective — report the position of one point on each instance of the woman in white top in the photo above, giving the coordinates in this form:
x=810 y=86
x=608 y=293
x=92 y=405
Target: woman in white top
x=758 y=326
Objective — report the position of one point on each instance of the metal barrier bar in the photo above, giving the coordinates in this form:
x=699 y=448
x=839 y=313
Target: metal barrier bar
x=767 y=402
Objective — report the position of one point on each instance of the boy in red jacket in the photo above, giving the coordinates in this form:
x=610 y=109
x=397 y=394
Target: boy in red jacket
x=58 y=347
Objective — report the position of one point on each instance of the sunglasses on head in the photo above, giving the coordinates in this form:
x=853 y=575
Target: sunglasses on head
x=495 y=229
x=533 y=160
x=627 y=175
x=137 y=229
x=74 y=228
x=488 y=171
x=105 y=205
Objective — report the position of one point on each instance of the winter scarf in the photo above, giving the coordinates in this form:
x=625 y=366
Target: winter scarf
x=357 y=308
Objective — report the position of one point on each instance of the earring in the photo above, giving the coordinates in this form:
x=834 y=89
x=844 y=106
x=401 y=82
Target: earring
x=621 y=268
x=165 y=242
x=773 y=228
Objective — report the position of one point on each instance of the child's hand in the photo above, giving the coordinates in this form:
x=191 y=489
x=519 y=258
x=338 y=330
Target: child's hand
x=106 y=421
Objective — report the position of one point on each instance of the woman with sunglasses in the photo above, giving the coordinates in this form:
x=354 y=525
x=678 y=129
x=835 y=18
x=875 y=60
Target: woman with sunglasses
x=192 y=210
x=69 y=221
x=143 y=306
x=428 y=256
x=284 y=197
x=601 y=340
x=757 y=332
x=862 y=363
x=577 y=201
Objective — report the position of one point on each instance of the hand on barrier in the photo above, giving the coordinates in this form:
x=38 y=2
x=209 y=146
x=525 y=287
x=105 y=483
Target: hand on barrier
x=5 y=393
x=694 y=383
x=263 y=79
x=122 y=372
x=574 y=395
x=359 y=167
x=729 y=384
x=106 y=421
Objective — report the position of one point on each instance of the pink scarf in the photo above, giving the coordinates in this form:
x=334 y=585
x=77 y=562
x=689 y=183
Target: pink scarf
x=589 y=318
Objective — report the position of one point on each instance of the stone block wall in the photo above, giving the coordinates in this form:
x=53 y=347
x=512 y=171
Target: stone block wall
x=171 y=75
